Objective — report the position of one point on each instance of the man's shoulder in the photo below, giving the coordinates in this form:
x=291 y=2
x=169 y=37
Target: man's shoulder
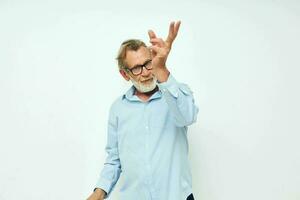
x=120 y=99
x=117 y=103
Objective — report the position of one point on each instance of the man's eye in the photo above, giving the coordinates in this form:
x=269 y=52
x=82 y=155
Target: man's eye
x=136 y=69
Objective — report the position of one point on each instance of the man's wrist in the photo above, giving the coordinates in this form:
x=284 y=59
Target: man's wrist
x=100 y=192
x=162 y=74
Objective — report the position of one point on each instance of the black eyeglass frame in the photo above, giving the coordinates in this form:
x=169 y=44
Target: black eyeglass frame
x=147 y=65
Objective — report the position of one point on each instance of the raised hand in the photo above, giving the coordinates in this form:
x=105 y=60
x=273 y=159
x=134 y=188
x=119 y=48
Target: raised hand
x=161 y=48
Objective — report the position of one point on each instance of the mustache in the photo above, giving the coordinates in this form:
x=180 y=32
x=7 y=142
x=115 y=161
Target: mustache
x=146 y=79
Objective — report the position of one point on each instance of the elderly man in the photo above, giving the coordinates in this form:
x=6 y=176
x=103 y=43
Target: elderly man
x=147 y=128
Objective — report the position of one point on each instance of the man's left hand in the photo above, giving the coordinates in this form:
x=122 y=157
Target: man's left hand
x=160 y=50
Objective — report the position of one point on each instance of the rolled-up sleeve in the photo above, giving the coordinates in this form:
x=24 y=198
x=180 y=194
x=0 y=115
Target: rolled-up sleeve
x=180 y=100
x=112 y=166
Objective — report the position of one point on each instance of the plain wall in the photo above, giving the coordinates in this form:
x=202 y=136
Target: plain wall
x=58 y=78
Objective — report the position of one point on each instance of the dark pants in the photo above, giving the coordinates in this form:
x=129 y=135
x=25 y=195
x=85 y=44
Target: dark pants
x=191 y=197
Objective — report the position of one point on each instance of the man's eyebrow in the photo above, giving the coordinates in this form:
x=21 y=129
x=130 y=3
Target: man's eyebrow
x=141 y=64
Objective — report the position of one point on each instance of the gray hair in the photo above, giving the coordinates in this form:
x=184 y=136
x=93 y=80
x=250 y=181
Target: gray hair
x=131 y=44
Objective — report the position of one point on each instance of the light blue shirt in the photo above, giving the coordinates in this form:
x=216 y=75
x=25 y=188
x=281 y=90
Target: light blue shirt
x=147 y=144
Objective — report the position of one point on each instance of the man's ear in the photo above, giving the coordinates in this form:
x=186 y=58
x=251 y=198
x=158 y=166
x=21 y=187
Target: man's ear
x=123 y=73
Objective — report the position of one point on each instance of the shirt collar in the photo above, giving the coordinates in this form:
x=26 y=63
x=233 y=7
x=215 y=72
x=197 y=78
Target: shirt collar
x=132 y=97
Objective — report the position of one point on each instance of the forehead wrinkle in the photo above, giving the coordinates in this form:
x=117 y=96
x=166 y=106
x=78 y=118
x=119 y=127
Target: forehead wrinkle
x=139 y=57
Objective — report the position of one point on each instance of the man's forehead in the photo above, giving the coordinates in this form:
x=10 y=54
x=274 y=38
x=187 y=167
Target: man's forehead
x=137 y=57
x=141 y=51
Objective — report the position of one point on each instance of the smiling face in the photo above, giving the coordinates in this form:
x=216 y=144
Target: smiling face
x=145 y=81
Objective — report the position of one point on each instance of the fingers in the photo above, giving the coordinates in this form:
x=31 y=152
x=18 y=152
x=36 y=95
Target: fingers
x=151 y=34
x=156 y=50
x=152 y=53
x=176 y=27
x=159 y=52
x=173 y=30
x=157 y=41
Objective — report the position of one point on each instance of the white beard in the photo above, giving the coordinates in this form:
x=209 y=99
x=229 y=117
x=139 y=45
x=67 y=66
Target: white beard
x=143 y=88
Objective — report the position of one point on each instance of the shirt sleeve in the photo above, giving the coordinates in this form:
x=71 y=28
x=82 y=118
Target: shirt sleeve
x=180 y=100
x=112 y=166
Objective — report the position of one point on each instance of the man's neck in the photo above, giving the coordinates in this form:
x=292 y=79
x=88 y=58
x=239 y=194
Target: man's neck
x=145 y=96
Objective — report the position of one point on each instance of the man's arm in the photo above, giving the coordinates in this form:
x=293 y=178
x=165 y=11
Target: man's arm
x=178 y=96
x=180 y=100
x=112 y=167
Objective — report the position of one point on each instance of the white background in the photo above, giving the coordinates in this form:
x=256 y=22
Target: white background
x=58 y=78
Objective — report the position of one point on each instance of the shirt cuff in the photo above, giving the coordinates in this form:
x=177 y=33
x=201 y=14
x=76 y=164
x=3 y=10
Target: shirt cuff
x=104 y=185
x=174 y=87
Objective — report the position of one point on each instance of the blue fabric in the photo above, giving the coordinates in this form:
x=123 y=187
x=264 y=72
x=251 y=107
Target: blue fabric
x=147 y=144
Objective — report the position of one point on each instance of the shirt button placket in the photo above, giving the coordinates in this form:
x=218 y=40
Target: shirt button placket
x=147 y=155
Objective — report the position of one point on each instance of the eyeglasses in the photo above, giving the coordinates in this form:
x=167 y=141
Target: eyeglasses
x=137 y=70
